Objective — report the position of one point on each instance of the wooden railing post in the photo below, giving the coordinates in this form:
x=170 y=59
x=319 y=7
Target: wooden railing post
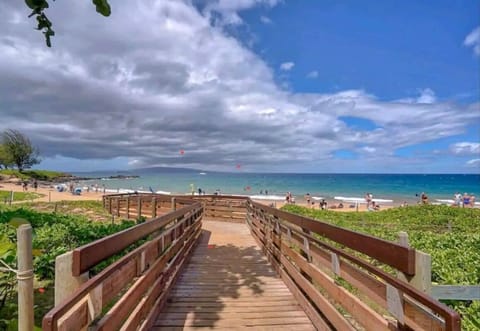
x=422 y=280
x=65 y=282
x=174 y=206
x=118 y=207
x=25 y=278
x=11 y=198
x=154 y=207
x=139 y=207
x=128 y=207
x=110 y=203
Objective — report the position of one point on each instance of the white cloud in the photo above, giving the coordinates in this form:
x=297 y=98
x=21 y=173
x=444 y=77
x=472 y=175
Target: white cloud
x=287 y=66
x=465 y=148
x=369 y=149
x=265 y=20
x=229 y=9
x=473 y=40
x=312 y=74
x=110 y=91
x=427 y=96
x=473 y=163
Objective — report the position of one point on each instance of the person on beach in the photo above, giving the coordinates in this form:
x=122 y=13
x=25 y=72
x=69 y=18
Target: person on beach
x=307 y=198
x=35 y=185
x=25 y=186
x=323 y=204
x=368 y=199
x=472 y=201
x=287 y=198
x=466 y=200
x=457 y=199
x=424 y=198
x=266 y=192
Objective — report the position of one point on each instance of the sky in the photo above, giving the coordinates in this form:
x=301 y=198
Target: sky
x=269 y=85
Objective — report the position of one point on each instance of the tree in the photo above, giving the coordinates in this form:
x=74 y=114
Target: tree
x=5 y=158
x=45 y=25
x=19 y=149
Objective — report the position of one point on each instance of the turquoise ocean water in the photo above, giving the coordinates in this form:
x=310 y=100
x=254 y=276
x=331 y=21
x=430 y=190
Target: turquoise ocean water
x=398 y=187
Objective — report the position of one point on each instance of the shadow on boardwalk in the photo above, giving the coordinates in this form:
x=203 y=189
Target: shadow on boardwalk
x=228 y=285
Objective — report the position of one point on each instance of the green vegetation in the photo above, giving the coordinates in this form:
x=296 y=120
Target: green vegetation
x=450 y=235
x=54 y=234
x=45 y=25
x=33 y=174
x=18 y=196
x=18 y=150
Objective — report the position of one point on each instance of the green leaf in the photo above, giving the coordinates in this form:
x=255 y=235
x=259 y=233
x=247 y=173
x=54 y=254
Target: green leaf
x=16 y=222
x=6 y=246
x=102 y=7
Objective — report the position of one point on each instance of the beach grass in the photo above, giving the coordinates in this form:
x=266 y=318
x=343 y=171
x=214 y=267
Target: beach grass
x=19 y=196
x=47 y=175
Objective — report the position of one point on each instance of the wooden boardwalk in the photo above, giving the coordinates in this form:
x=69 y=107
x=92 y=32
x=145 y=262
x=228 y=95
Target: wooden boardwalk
x=228 y=284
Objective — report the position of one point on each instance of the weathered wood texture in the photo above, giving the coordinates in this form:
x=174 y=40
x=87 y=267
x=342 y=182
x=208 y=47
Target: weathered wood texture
x=313 y=275
x=376 y=300
x=121 y=295
x=219 y=208
x=229 y=284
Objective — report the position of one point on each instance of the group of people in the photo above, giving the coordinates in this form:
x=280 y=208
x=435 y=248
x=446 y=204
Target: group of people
x=465 y=201
x=289 y=198
x=25 y=185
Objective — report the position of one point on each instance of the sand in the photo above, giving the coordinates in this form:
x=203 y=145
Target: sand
x=50 y=194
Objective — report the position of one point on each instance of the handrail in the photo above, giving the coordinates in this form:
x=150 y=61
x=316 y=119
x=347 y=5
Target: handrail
x=285 y=225
x=395 y=255
x=89 y=255
x=282 y=236
x=147 y=267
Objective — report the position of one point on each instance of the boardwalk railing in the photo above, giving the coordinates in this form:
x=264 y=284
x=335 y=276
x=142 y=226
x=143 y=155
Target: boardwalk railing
x=323 y=267
x=333 y=272
x=128 y=293
x=221 y=208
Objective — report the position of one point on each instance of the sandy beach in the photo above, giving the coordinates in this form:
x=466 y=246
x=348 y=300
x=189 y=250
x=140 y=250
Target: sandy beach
x=50 y=194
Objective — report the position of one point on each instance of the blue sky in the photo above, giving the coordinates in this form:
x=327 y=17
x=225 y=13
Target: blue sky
x=297 y=86
x=389 y=48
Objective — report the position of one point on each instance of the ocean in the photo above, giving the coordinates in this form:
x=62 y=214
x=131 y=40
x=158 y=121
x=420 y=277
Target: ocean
x=398 y=187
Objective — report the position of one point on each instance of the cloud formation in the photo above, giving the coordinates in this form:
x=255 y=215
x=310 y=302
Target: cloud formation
x=312 y=74
x=287 y=66
x=265 y=20
x=473 y=40
x=172 y=79
x=466 y=148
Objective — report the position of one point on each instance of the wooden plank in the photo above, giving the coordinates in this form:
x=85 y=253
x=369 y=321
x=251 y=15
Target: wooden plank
x=229 y=315
x=287 y=307
x=130 y=299
x=320 y=301
x=113 y=284
x=317 y=319
x=157 y=301
x=360 y=311
x=298 y=327
x=91 y=254
x=456 y=292
x=291 y=321
x=393 y=254
x=76 y=318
